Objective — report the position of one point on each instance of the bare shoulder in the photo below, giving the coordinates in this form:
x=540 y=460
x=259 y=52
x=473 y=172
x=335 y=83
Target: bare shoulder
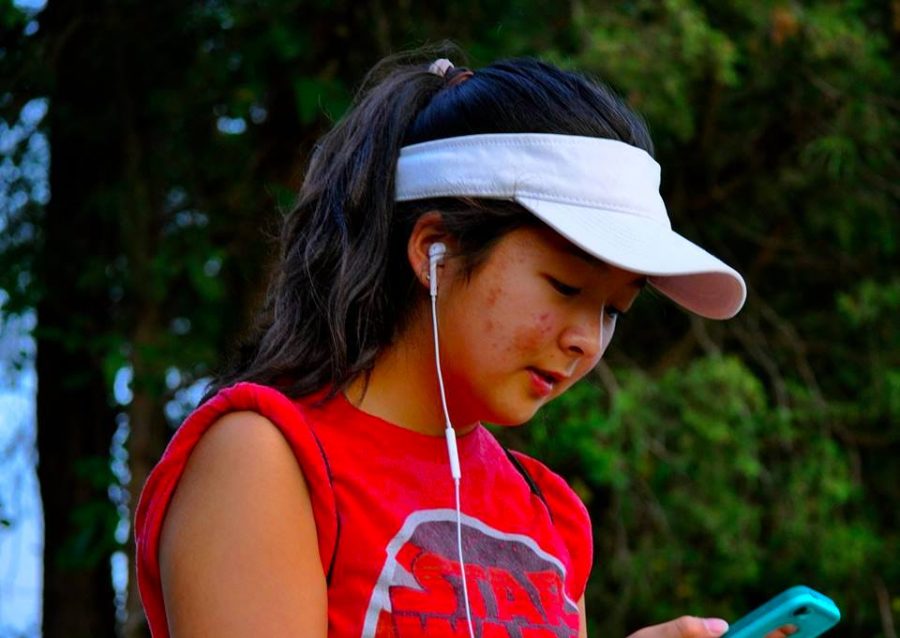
x=238 y=550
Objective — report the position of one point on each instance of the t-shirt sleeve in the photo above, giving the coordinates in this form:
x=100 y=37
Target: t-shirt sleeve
x=160 y=486
x=570 y=518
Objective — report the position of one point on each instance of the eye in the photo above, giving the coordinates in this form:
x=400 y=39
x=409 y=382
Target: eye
x=564 y=289
x=612 y=312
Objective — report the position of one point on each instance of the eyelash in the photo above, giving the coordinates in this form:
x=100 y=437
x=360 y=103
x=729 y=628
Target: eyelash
x=564 y=289
x=570 y=291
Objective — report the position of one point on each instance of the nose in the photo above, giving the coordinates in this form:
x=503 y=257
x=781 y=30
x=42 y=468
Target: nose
x=585 y=337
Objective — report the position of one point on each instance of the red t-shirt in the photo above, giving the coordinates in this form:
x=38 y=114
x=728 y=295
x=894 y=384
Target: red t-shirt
x=384 y=507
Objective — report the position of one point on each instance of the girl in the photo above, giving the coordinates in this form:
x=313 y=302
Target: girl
x=461 y=250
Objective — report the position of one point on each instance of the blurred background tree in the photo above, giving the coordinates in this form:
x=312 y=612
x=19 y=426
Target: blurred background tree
x=721 y=462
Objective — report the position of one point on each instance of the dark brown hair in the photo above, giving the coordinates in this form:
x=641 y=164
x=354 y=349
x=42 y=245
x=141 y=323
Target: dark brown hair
x=344 y=287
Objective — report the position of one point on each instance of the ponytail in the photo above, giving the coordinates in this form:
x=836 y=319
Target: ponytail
x=326 y=316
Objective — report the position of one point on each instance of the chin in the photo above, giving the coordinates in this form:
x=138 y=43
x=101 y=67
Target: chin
x=513 y=417
x=499 y=408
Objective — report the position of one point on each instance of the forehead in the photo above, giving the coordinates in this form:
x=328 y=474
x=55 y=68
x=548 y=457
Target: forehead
x=546 y=243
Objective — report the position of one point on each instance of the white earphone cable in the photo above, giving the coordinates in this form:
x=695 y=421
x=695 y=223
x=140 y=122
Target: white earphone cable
x=450 y=435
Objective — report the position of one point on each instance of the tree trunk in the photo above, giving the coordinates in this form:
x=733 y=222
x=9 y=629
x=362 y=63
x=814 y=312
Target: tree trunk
x=148 y=435
x=75 y=411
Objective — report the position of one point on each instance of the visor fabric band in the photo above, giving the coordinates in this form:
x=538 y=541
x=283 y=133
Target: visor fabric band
x=602 y=195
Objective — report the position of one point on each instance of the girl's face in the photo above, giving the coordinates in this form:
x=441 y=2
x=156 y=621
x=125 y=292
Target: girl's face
x=531 y=320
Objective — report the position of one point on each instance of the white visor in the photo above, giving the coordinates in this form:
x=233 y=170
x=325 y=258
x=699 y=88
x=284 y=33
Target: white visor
x=600 y=194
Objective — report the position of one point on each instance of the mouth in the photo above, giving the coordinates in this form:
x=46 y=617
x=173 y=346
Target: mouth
x=550 y=377
x=545 y=381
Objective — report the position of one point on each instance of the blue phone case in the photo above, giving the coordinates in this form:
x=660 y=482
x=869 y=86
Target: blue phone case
x=808 y=610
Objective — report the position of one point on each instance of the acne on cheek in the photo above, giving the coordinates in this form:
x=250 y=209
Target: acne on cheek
x=535 y=334
x=490 y=301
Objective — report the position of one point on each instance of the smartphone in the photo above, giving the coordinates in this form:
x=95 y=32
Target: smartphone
x=806 y=609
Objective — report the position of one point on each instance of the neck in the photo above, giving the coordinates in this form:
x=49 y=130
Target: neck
x=402 y=387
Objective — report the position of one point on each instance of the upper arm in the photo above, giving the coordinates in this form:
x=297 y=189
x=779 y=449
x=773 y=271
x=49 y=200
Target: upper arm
x=238 y=552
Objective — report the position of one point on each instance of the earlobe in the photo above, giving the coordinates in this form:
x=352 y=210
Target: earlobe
x=423 y=275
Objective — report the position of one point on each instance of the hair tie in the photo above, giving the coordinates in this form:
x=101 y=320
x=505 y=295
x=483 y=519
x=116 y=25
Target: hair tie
x=453 y=75
x=440 y=67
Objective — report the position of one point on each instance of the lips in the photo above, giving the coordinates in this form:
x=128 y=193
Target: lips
x=551 y=377
x=544 y=381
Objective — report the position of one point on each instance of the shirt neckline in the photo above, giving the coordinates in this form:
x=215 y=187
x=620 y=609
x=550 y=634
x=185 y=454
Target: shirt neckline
x=344 y=405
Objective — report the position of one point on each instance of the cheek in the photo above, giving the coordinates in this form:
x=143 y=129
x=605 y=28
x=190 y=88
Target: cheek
x=489 y=318
x=534 y=332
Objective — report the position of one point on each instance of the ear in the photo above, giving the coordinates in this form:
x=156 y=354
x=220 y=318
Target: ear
x=428 y=229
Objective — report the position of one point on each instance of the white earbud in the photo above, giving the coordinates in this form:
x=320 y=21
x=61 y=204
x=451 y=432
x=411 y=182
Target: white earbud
x=437 y=250
x=436 y=253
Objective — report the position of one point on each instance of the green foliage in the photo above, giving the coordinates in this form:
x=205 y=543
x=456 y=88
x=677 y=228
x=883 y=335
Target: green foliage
x=704 y=495
x=315 y=96
x=94 y=520
x=682 y=38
